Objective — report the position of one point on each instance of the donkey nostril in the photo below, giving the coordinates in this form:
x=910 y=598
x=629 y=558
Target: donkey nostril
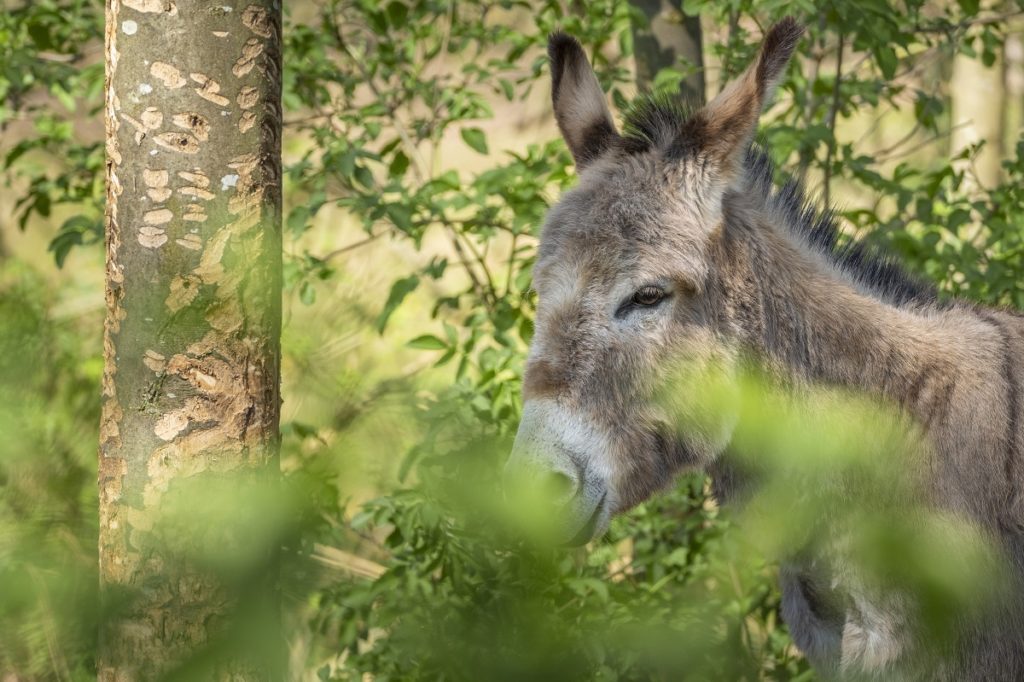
x=559 y=486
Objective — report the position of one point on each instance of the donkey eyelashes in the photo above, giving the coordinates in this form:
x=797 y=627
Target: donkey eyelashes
x=646 y=297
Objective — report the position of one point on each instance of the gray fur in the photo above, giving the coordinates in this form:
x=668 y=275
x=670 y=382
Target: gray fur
x=678 y=203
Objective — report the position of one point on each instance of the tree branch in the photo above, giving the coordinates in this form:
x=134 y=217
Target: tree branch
x=967 y=23
x=412 y=150
x=349 y=247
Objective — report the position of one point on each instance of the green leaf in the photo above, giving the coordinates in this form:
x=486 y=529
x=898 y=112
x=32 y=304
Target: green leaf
x=397 y=12
x=399 y=290
x=401 y=216
x=399 y=164
x=363 y=176
x=298 y=220
x=40 y=35
x=17 y=151
x=446 y=358
x=692 y=8
x=526 y=329
x=299 y=429
x=667 y=80
x=307 y=293
x=475 y=138
x=73 y=232
x=436 y=268
x=427 y=342
x=66 y=99
x=507 y=88
x=61 y=246
x=887 y=60
x=411 y=456
x=449 y=179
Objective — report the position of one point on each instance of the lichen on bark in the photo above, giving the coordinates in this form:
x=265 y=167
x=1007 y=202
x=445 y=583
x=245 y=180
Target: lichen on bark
x=191 y=340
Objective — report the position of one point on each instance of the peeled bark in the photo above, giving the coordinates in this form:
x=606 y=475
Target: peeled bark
x=669 y=39
x=192 y=333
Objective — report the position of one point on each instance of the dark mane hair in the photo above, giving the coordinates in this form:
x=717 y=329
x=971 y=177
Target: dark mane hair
x=654 y=121
x=872 y=268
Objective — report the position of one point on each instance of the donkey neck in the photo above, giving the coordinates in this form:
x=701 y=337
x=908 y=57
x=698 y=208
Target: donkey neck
x=809 y=321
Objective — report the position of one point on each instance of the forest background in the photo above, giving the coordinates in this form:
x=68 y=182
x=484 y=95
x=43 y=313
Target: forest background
x=420 y=156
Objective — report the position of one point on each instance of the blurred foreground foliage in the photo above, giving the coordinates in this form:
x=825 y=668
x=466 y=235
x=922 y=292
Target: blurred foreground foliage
x=48 y=519
x=676 y=588
x=423 y=582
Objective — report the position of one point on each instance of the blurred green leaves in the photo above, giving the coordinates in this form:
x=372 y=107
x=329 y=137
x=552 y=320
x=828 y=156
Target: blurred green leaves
x=372 y=91
x=49 y=392
x=43 y=62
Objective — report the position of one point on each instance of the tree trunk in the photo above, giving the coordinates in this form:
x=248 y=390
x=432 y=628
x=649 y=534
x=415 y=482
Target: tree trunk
x=1013 y=83
x=670 y=38
x=978 y=100
x=192 y=338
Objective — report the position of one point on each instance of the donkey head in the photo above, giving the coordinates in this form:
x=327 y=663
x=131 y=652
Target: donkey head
x=626 y=285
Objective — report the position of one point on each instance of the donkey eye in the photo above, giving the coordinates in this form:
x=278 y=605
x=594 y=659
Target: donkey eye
x=648 y=296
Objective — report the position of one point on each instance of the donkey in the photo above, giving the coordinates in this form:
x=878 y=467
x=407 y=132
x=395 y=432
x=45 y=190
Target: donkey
x=675 y=243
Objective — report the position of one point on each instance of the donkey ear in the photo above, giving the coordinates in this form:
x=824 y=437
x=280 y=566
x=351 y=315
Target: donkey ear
x=730 y=120
x=580 y=107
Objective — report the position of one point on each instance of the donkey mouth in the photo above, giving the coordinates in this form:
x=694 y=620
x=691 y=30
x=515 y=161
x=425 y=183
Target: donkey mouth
x=586 y=533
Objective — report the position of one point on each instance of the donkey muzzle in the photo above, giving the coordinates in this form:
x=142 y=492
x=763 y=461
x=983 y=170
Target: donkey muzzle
x=550 y=474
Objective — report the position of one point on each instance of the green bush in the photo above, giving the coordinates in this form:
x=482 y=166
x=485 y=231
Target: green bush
x=374 y=91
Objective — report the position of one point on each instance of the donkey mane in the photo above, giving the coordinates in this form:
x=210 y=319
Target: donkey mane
x=654 y=120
